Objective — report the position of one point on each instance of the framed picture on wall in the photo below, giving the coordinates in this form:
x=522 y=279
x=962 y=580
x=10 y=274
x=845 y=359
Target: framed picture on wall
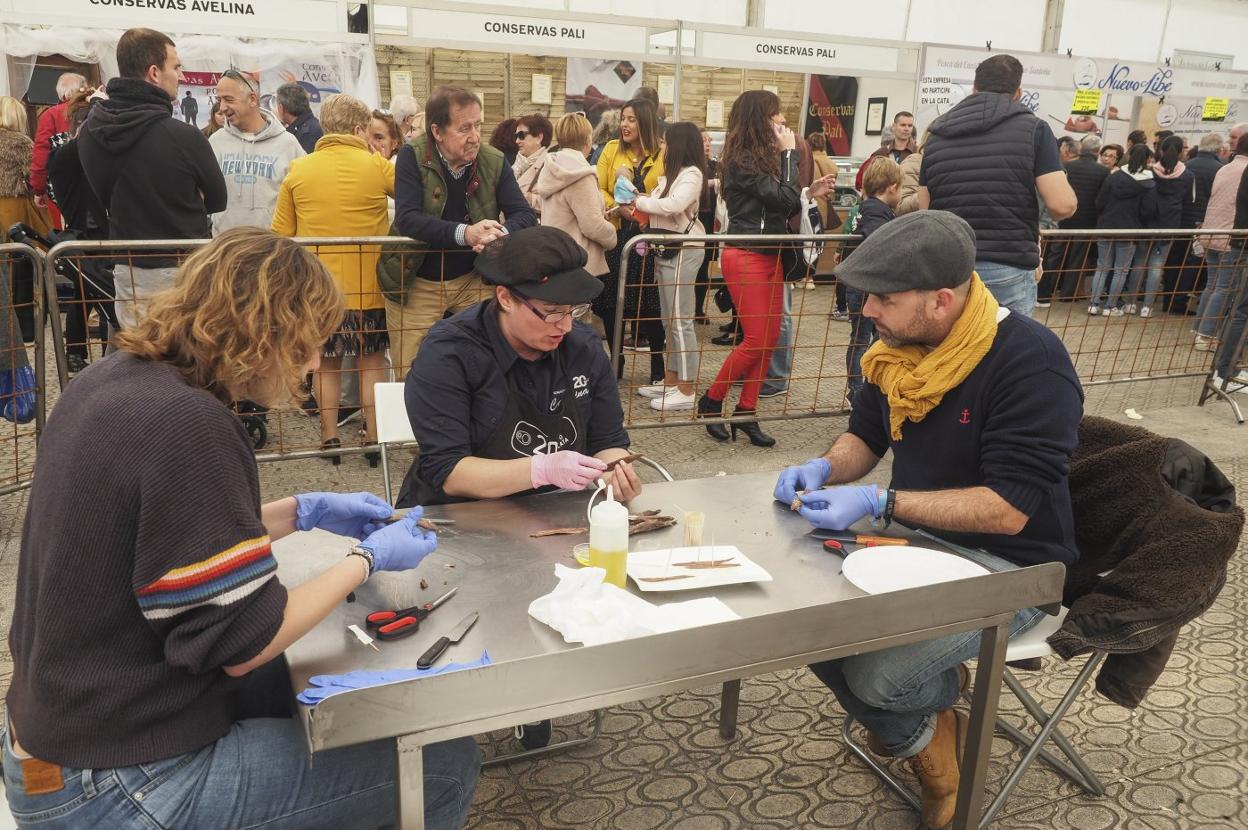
x=877 y=108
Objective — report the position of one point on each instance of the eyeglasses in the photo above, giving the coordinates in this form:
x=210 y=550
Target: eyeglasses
x=521 y=135
x=575 y=312
x=239 y=76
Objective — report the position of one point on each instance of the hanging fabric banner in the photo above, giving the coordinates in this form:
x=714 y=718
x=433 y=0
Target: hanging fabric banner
x=833 y=101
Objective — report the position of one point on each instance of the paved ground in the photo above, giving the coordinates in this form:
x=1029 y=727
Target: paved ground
x=1179 y=761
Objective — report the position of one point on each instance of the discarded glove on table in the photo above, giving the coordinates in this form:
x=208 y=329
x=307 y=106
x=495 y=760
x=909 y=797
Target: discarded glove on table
x=327 y=685
x=584 y=609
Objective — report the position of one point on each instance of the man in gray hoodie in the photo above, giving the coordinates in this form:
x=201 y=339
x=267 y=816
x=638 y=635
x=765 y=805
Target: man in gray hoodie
x=254 y=152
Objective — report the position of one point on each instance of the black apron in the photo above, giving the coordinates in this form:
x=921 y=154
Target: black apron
x=524 y=430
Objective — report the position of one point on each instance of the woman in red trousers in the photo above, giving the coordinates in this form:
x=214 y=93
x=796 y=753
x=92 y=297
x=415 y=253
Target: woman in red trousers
x=759 y=174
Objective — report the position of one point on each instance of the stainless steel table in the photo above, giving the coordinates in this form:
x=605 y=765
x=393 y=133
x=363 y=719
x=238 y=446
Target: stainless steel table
x=807 y=614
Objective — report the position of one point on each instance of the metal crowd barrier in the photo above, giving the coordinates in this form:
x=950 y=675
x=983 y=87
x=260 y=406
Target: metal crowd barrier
x=1106 y=350
x=21 y=320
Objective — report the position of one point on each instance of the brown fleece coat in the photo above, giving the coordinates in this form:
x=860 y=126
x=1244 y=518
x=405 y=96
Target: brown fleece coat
x=1163 y=520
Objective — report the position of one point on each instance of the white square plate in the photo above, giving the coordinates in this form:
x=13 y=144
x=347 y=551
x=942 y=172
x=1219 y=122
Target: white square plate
x=646 y=565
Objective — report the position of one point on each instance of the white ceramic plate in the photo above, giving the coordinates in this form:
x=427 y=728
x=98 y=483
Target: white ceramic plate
x=896 y=568
x=662 y=570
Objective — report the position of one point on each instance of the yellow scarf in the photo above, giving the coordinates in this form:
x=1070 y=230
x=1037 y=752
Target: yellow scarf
x=916 y=381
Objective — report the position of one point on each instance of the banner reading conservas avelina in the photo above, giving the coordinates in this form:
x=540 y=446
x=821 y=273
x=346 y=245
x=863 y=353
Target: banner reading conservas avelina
x=833 y=101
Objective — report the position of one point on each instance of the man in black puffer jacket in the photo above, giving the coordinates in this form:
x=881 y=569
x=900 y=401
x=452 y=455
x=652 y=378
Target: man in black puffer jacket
x=984 y=162
x=157 y=176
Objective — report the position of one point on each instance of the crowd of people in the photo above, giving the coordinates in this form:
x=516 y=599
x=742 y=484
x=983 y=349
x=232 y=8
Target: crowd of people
x=517 y=239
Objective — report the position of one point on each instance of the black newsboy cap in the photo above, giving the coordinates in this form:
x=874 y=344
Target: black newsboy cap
x=541 y=262
x=921 y=251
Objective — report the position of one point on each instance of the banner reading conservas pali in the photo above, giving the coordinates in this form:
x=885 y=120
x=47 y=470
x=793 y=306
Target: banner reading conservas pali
x=833 y=101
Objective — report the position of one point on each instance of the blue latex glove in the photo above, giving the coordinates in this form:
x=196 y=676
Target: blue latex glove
x=836 y=508
x=809 y=476
x=322 y=686
x=347 y=514
x=402 y=545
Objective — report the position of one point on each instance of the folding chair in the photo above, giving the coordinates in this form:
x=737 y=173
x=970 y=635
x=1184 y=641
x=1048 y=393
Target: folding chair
x=1029 y=645
x=392 y=425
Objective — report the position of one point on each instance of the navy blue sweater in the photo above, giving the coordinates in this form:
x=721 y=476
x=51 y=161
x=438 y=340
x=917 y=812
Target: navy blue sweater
x=1011 y=426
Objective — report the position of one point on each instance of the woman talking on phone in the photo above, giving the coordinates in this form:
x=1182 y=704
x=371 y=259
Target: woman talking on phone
x=758 y=170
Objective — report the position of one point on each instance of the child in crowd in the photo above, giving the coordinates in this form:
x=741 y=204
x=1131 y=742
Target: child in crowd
x=881 y=184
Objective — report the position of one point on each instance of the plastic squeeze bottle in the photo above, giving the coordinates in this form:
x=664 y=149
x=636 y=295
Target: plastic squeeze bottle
x=608 y=539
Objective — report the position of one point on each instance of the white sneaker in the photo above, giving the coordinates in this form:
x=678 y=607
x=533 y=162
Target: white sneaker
x=654 y=390
x=1094 y=310
x=1205 y=344
x=1112 y=312
x=673 y=401
x=1145 y=312
x=1240 y=382
x=1130 y=309
x=809 y=285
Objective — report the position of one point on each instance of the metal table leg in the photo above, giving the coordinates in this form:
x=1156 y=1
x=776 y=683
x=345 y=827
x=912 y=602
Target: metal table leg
x=729 y=698
x=409 y=783
x=983 y=718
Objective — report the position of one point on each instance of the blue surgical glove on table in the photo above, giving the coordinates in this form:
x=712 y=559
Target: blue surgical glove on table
x=836 y=508
x=347 y=514
x=809 y=476
x=321 y=686
x=401 y=546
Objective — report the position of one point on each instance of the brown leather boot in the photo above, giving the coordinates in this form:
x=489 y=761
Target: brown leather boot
x=938 y=767
x=877 y=746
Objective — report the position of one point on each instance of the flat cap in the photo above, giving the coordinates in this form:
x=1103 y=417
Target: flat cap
x=921 y=251
x=540 y=262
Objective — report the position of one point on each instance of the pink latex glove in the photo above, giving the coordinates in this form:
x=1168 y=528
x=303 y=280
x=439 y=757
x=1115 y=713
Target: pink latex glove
x=565 y=469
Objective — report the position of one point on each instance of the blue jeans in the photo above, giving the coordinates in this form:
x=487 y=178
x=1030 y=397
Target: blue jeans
x=1014 y=288
x=1220 y=269
x=259 y=774
x=1112 y=257
x=1227 y=359
x=861 y=336
x=781 y=365
x=896 y=693
x=1150 y=259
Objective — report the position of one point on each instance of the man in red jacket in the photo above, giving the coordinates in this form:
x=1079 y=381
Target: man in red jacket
x=53 y=125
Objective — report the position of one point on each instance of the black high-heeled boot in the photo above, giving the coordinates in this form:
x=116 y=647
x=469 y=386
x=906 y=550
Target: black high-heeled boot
x=707 y=406
x=751 y=429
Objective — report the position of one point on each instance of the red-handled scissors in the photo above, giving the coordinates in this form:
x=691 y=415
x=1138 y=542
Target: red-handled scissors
x=395 y=625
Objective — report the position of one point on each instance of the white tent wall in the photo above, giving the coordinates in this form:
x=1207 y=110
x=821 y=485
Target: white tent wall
x=884 y=19
x=1219 y=26
x=1127 y=29
x=1015 y=25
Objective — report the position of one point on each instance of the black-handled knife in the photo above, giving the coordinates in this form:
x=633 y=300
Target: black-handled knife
x=456 y=634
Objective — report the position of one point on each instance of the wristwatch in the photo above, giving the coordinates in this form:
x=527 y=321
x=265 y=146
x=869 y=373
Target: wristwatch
x=365 y=554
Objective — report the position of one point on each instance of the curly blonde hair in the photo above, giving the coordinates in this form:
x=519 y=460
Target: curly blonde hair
x=245 y=315
x=341 y=113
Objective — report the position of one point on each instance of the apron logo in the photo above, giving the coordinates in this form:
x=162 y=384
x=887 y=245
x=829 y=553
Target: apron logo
x=527 y=439
x=557 y=399
x=581 y=384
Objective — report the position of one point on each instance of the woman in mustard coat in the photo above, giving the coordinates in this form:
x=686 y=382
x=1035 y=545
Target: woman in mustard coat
x=340 y=190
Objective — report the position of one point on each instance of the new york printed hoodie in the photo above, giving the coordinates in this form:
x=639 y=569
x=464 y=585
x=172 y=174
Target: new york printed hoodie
x=253 y=165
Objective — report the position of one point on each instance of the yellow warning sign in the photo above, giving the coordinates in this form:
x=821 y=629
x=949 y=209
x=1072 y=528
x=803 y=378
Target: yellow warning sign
x=1215 y=109
x=1087 y=102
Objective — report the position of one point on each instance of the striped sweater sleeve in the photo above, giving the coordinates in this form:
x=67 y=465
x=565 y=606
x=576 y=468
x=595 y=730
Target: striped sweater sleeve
x=220 y=580
x=204 y=576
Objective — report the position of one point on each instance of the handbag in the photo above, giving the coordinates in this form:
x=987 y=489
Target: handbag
x=669 y=250
x=799 y=259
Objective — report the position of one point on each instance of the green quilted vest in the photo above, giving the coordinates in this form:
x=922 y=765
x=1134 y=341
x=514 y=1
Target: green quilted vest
x=397 y=266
